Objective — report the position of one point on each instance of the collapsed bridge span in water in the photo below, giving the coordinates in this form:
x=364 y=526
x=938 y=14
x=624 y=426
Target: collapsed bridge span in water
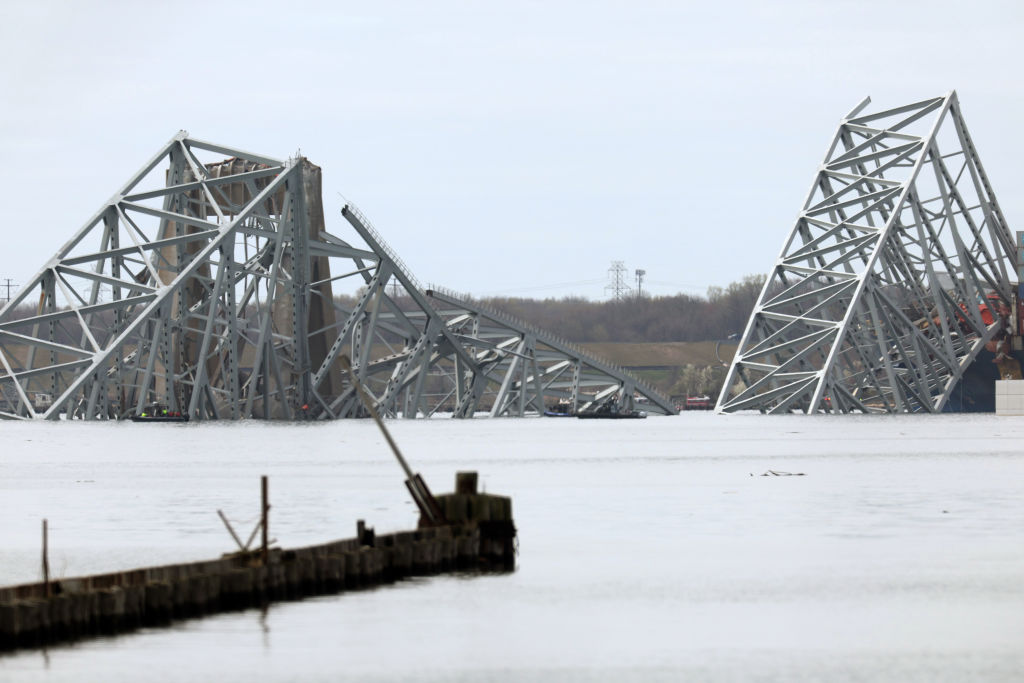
x=209 y=284
x=896 y=276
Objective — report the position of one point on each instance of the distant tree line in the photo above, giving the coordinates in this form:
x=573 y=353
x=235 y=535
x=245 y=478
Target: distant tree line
x=677 y=318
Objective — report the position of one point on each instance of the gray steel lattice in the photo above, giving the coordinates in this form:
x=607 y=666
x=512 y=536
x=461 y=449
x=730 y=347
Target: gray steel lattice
x=207 y=284
x=892 y=279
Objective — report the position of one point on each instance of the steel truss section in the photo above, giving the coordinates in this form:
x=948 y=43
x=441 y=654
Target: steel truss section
x=528 y=369
x=893 y=278
x=207 y=284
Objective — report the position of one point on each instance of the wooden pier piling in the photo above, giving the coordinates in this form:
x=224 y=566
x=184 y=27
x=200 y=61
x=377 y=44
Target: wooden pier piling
x=480 y=535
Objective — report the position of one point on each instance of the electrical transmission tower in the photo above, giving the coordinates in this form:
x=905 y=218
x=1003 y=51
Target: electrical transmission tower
x=617 y=286
x=640 y=272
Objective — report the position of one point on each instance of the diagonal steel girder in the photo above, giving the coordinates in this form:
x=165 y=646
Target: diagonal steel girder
x=894 y=277
x=208 y=285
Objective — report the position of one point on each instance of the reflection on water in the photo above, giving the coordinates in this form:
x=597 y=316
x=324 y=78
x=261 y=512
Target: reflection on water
x=648 y=551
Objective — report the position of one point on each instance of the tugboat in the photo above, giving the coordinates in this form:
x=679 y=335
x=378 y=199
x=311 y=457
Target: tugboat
x=158 y=412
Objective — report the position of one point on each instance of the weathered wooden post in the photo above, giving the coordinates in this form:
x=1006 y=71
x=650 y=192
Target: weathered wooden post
x=46 y=559
x=465 y=483
x=264 y=514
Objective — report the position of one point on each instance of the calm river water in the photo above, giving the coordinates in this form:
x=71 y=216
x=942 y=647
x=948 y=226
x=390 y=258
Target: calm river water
x=649 y=550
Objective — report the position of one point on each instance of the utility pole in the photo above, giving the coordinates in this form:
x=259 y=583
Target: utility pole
x=617 y=275
x=8 y=285
x=640 y=272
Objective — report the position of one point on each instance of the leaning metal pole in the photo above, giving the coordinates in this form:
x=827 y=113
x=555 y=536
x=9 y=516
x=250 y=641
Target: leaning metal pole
x=424 y=499
x=895 y=275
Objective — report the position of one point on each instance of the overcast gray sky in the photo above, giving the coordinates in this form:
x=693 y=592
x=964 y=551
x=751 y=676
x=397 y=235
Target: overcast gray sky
x=500 y=148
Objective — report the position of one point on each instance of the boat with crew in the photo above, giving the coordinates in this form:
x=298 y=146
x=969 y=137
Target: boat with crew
x=158 y=412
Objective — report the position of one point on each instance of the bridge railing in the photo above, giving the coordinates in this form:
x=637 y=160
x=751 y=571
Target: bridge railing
x=385 y=247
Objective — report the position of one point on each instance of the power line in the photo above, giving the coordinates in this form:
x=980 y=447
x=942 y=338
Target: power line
x=679 y=285
x=536 y=288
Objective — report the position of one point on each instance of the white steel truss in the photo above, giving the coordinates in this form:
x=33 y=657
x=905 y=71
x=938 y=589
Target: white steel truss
x=207 y=284
x=895 y=275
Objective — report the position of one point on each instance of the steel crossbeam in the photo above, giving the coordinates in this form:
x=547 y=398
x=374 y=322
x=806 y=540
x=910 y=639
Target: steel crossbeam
x=894 y=277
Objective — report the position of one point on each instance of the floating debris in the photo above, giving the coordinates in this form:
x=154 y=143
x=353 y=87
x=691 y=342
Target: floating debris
x=779 y=473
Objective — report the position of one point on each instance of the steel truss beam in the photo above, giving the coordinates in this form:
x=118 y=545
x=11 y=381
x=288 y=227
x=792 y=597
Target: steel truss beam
x=208 y=285
x=527 y=368
x=893 y=278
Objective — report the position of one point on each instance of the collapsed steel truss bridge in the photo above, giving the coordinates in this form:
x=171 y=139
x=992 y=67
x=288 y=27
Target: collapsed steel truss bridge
x=207 y=284
x=896 y=274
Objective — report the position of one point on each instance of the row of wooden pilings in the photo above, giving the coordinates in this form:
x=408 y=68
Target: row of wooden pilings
x=38 y=614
